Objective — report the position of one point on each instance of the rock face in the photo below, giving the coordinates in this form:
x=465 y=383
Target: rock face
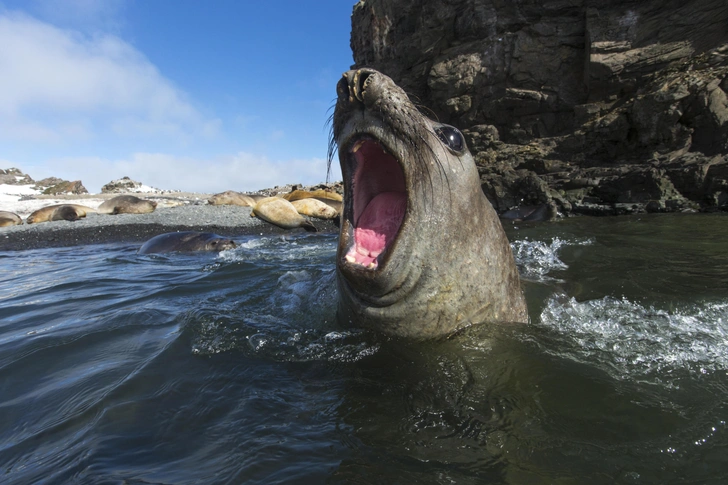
x=603 y=107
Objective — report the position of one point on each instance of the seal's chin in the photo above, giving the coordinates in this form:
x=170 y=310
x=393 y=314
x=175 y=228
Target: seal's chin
x=378 y=205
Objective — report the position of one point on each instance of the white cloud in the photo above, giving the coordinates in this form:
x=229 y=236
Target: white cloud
x=241 y=171
x=52 y=76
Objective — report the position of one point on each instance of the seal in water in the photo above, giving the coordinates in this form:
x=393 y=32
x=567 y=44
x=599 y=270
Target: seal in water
x=59 y=212
x=8 y=218
x=531 y=213
x=421 y=251
x=127 y=204
x=187 y=241
x=281 y=213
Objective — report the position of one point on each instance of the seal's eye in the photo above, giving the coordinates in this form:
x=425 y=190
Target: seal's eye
x=451 y=137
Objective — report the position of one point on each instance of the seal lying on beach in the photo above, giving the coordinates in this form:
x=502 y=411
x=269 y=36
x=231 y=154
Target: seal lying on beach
x=230 y=197
x=8 y=218
x=127 y=204
x=281 y=213
x=315 y=194
x=421 y=251
x=187 y=241
x=315 y=208
x=59 y=212
x=330 y=198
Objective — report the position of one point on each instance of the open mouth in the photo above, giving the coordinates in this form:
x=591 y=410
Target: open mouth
x=379 y=199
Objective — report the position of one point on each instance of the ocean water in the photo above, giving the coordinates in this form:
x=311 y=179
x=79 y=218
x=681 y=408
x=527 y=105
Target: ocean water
x=231 y=368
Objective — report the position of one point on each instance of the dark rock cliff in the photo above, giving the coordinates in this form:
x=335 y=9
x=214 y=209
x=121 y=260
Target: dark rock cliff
x=605 y=107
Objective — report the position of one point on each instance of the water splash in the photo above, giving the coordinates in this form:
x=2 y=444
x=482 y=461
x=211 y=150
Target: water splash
x=536 y=259
x=636 y=341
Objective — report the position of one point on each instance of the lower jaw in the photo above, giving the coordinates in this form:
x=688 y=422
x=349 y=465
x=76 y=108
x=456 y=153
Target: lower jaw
x=359 y=257
x=378 y=227
x=389 y=285
x=356 y=260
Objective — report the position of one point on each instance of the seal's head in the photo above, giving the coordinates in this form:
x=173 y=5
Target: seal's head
x=421 y=251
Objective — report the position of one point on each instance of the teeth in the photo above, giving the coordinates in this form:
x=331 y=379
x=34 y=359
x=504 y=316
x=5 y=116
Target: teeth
x=353 y=258
x=362 y=251
x=357 y=146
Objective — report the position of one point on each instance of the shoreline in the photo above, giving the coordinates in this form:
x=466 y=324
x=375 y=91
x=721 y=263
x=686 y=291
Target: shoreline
x=230 y=221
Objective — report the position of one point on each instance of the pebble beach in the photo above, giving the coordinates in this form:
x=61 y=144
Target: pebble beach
x=177 y=211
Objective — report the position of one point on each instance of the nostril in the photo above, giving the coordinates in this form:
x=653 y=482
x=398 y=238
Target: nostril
x=342 y=88
x=352 y=86
x=363 y=82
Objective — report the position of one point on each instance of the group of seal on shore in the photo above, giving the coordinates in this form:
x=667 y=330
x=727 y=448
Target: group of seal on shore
x=286 y=211
x=122 y=204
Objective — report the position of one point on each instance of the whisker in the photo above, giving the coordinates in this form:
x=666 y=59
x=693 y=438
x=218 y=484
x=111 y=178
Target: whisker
x=426 y=111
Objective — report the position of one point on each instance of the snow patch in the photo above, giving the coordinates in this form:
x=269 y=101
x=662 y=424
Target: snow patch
x=11 y=195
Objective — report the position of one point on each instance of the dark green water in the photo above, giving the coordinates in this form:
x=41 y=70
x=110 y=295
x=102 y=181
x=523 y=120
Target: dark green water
x=119 y=368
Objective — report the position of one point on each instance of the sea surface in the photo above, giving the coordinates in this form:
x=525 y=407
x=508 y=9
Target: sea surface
x=232 y=368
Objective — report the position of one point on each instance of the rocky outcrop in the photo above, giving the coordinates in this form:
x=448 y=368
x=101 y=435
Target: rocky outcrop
x=50 y=185
x=63 y=187
x=606 y=107
x=14 y=176
x=58 y=186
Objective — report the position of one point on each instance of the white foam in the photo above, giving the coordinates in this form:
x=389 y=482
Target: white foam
x=638 y=341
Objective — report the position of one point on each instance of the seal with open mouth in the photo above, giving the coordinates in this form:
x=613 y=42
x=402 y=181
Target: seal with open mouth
x=421 y=251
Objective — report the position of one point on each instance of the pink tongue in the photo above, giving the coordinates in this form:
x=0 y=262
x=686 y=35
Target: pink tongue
x=377 y=226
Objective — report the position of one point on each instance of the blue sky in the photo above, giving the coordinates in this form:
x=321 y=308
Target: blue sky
x=179 y=94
